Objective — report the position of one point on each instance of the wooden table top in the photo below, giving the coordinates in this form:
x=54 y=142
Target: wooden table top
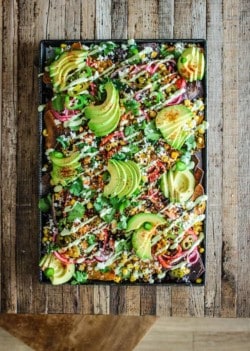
x=225 y=26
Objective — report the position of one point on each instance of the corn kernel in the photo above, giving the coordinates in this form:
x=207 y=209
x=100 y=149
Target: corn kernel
x=72 y=201
x=117 y=279
x=154 y=54
x=165 y=158
x=132 y=278
x=187 y=103
x=45 y=133
x=198 y=280
x=89 y=205
x=63 y=46
x=201 y=250
x=174 y=154
x=57 y=196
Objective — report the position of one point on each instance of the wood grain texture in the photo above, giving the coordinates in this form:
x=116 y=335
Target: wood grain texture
x=225 y=25
x=77 y=333
x=197 y=334
x=230 y=158
x=215 y=158
x=243 y=237
x=8 y=156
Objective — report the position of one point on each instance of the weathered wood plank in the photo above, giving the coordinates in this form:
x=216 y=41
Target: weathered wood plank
x=86 y=298
x=215 y=159
x=71 y=304
x=8 y=157
x=87 y=26
x=163 y=301
x=103 y=19
x=166 y=19
x=182 y=20
x=148 y=300
x=230 y=158
x=132 y=301
x=190 y=19
x=101 y=299
x=143 y=19
x=119 y=19
x=243 y=200
x=72 y=19
x=117 y=299
x=1 y=99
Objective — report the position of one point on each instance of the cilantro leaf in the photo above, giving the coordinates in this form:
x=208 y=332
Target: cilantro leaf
x=77 y=211
x=151 y=133
x=79 y=278
x=76 y=187
x=132 y=106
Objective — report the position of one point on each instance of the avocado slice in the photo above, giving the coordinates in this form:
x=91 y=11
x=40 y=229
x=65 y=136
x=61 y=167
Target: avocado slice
x=184 y=185
x=172 y=122
x=61 y=273
x=130 y=180
x=62 y=175
x=171 y=185
x=107 y=126
x=65 y=161
x=111 y=99
x=191 y=64
x=100 y=116
x=137 y=172
x=180 y=185
x=60 y=69
x=115 y=176
x=164 y=185
x=139 y=219
x=141 y=242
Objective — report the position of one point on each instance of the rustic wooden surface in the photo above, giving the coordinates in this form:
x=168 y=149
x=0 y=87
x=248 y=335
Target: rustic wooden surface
x=76 y=332
x=86 y=333
x=225 y=25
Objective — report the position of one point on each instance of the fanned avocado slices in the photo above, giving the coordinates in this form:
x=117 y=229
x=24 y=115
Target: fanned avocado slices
x=173 y=123
x=55 y=270
x=104 y=118
x=125 y=177
x=191 y=64
x=178 y=186
x=61 y=68
x=144 y=225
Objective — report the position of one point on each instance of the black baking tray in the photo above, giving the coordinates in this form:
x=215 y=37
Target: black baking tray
x=45 y=48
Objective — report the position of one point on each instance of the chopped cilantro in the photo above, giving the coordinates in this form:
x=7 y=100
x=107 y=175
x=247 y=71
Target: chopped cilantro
x=79 y=278
x=77 y=211
x=45 y=203
x=151 y=133
x=122 y=245
x=129 y=130
x=76 y=187
x=132 y=106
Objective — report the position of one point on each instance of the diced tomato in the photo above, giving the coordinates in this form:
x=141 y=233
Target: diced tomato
x=181 y=83
x=116 y=134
